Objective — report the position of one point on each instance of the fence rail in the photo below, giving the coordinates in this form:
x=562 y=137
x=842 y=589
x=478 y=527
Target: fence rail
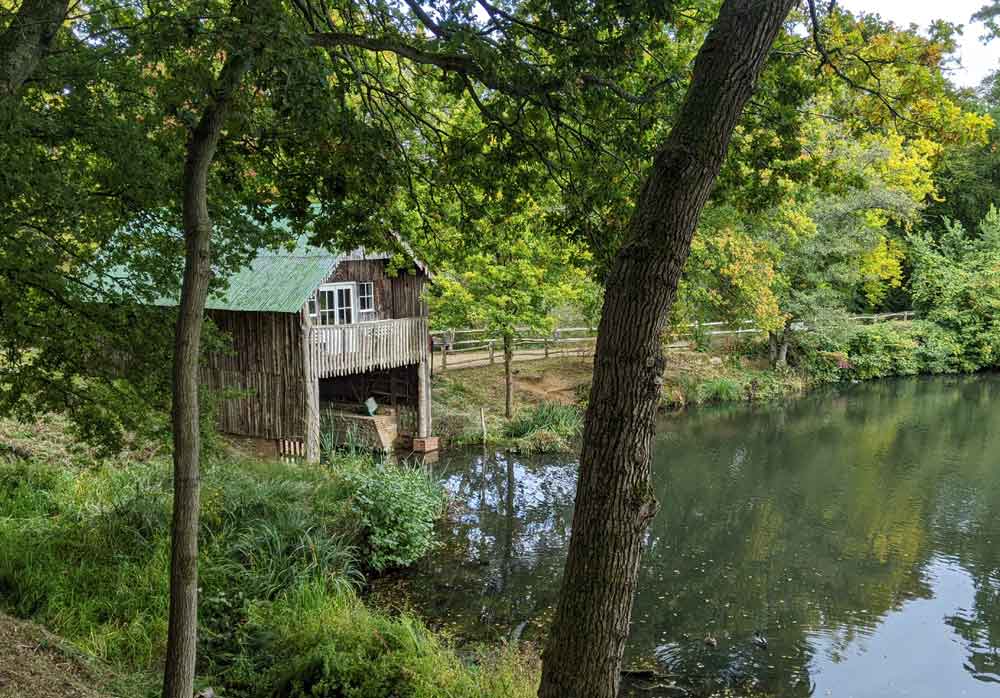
x=463 y=348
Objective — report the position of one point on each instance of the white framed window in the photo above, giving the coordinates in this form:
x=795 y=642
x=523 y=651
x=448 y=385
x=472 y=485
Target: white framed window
x=343 y=304
x=333 y=304
x=366 y=301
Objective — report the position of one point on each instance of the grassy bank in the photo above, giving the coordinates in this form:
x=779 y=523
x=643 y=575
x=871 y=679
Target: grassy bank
x=84 y=551
x=550 y=394
x=36 y=663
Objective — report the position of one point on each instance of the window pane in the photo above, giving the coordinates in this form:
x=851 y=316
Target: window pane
x=345 y=306
x=366 y=296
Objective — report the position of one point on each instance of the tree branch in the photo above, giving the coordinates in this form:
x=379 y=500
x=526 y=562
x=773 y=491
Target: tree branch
x=826 y=59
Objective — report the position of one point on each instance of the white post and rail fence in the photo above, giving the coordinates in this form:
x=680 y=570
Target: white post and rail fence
x=465 y=348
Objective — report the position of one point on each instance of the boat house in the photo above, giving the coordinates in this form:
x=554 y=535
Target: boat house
x=322 y=342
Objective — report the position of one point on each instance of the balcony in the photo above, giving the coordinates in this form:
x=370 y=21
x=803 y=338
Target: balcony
x=340 y=350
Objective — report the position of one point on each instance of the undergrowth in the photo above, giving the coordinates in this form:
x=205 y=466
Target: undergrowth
x=84 y=550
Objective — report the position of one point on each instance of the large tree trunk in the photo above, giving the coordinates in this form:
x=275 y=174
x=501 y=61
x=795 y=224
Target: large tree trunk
x=614 y=500
x=26 y=40
x=178 y=677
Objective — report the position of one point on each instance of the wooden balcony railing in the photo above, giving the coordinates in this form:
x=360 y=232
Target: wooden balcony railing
x=338 y=350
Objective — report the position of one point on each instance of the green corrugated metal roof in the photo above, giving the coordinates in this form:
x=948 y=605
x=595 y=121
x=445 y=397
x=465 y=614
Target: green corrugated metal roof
x=274 y=283
x=278 y=280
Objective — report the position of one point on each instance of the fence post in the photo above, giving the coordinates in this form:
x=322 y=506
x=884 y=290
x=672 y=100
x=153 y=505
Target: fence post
x=492 y=351
x=444 y=356
x=545 y=343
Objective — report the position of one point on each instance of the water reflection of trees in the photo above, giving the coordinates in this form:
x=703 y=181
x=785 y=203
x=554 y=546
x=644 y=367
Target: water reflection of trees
x=816 y=518
x=506 y=542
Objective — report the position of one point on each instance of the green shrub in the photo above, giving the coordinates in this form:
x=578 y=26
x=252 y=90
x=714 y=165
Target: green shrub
x=86 y=552
x=886 y=349
x=719 y=390
x=320 y=644
x=565 y=420
x=396 y=507
x=546 y=427
x=939 y=351
x=883 y=350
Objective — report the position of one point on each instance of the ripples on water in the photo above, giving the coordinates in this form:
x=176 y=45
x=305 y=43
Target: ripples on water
x=843 y=544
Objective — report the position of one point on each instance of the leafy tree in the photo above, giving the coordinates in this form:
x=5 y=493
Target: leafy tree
x=968 y=175
x=615 y=501
x=81 y=160
x=138 y=103
x=955 y=285
x=509 y=287
x=729 y=275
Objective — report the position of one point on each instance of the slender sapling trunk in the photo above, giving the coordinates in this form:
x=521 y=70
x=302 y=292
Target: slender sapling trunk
x=179 y=671
x=508 y=375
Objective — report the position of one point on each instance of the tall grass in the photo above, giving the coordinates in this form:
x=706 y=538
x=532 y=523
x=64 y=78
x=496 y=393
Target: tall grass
x=85 y=551
x=546 y=427
x=330 y=645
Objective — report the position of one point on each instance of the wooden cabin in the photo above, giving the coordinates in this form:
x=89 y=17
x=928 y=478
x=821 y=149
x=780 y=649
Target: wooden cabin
x=312 y=335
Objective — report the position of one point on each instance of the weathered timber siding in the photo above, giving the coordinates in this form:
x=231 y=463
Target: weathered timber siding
x=395 y=296
x=264 y=365
x=262 y=370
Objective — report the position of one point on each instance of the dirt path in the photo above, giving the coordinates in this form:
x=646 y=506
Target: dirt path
x=36 y=664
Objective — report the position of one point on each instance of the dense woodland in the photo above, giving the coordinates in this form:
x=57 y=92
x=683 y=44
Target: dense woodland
x=646 y=164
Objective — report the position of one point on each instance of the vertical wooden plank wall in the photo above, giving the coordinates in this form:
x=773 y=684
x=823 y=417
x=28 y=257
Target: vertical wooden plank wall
x=395 y=296
x=259 y=380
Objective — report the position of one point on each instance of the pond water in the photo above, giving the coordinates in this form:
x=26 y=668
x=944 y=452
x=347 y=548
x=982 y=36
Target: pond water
x=855 y=532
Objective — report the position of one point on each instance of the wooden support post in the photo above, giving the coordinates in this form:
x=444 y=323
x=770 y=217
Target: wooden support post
x=423 y=400
x=545 y=343
x=444 y=356
x=310 y=393
x=492 y=351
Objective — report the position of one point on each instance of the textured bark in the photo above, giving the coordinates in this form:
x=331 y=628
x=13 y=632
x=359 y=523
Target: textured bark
x=508 y=375
x=778 y=347
x=26 y=40
x=178 y=677
x=614 y=501
x=782 y=359
x=310 y=390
